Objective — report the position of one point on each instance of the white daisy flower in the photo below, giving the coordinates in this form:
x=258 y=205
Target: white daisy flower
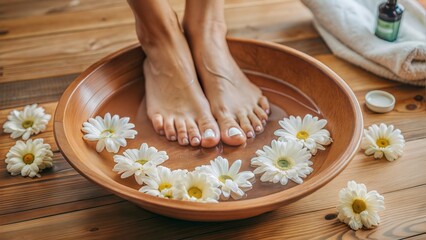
x=309 y=131
x=379 y=140
x=110 y=132
x=32 y=120
x=358 y=208
x=198 y=187
x=232 y=182
x=282 y=161
x=29 y=158
x=161 y=182
x=138 y=162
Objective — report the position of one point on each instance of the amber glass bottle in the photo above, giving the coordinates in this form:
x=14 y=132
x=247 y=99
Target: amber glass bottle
x=389 y=20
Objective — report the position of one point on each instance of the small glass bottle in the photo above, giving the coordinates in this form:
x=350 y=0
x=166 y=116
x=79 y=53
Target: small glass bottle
x=389 y=20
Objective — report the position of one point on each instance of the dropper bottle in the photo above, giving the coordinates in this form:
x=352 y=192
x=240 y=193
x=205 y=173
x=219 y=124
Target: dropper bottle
x=389 y=20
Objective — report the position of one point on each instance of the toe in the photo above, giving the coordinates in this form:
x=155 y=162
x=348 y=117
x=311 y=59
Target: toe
x=264 y=104
x=230 y=132
x=182 y=134
x=261 y=114
x=209 y=132
x=169 y=128
x=246 y=125
x=193 y=133
x=157 y=122
x=255 y=123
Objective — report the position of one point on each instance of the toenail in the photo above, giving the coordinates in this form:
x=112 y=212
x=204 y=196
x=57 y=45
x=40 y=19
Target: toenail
x=185 y=141
x=173 y=138
x=258 y=128
x=209 y=133
x=234 y=131
x=161 y=132
x=264 y=122
x=250 y=134
x=267 y=111
x=195 y=141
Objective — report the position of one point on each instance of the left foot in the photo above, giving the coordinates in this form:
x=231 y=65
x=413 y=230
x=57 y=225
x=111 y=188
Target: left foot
x=237 y=104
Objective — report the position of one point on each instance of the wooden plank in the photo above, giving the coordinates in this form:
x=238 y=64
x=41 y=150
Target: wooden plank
x=404 y=216
x=28 y=8
x=244 y=16
x=43 y=193
x=59 y=209
x=61 y=54
x=12 y=9
x=14 y=94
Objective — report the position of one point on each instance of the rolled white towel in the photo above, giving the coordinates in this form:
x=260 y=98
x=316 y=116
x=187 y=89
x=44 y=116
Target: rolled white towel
x=348 y=29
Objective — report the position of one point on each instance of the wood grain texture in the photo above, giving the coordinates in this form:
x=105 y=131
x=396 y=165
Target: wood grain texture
x=40 y=53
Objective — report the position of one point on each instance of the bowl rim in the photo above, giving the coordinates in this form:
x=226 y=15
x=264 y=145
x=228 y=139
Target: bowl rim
x=265 y=202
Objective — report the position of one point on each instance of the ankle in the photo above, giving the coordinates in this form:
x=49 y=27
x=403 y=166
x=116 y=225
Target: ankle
x=162 y=33
x=205 y=31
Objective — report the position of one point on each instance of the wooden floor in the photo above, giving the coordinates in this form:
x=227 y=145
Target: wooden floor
x=45 y=44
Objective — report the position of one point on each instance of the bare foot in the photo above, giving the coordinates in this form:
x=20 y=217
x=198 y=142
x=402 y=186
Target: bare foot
x=175 y=101
x=237 y=104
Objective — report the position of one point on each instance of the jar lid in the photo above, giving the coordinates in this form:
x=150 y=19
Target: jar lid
x=380 y=101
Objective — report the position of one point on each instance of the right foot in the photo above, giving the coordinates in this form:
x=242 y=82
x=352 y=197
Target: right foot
x=175 y=101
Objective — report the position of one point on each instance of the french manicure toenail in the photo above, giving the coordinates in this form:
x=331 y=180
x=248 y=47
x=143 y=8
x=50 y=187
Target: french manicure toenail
x=264 y=122
x=267 y=111
x=195 y=141
x=250 y=134
x=258 y=128
x=185 y=141
x=173 y=138
x=209 y=133
x=234 y=131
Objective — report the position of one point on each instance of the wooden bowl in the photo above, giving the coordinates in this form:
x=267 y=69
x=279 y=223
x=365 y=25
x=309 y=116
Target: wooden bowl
x=294 y=83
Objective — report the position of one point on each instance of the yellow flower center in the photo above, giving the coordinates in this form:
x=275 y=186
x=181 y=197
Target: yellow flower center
x=28 y=158
x=195 y=192
x=108 y=132
x=382 y=142
x=168 y=195
x=27 y=123
x=164 y=186
x=142 y=161
x=358 y=206
x=303 y=135
x=223 y=178
x=284 y=164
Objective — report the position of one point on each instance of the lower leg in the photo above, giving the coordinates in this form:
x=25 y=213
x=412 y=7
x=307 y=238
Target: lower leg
x=176 y=104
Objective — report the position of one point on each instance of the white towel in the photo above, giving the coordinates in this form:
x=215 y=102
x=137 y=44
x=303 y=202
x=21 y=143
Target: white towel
x=348 y=26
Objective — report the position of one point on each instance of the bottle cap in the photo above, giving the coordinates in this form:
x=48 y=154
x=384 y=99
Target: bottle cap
x=380 y=101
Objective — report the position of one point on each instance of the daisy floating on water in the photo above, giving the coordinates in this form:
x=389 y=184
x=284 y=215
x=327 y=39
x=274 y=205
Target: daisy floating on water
x=138 y=162
x=283 y=161
x=232 y=182
x=161 y=182
x=110 y=132
x=198 y=187
x=309 y=131
x=379 y=140
x=358 y=208
x=29 y=158
x=32 y=120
